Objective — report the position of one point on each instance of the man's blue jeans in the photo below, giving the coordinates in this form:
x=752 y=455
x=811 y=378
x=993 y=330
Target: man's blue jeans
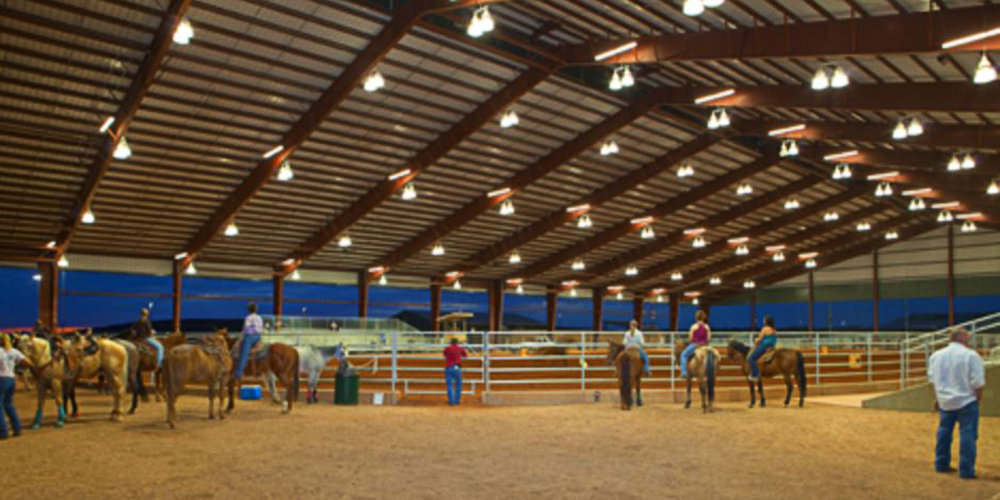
x=248 y=342
x=762 y=347
x=7 y=385
x=453 y=380
x=968 y=431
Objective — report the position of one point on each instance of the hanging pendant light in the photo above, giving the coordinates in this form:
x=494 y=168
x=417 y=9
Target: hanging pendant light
x=791 y=204
x=742 y=250
x=831 y=216
x=619 y=296
x=659 y=299
x=647 y=233
x=715 y=281
x=122 y=151
x=993 y=189
x=520 y=289
x=184 y=32
x=507 y=207
x=779 y=257
x=631 y=271
x=840 y=78
x=486 y=19
x=345 y=241
x=515 y=258
x=191 y=270
x=374 y=81
x=232 y=230
x=578 y=265
x=917 y=205
x=285 y=173
x=969 y=227
x=676 y=276
x=609 y=147
x=985 y=71
x=954 y=164
x=892 y=235
x=509 y=119
x=945 y=216
x=438 y=249
x=968 y=162
x=88 y=217
x=915 y=128
x=820 y=81
x=627 y=79
x=572 y=292
x=863 y=226
x=793 y=148
x=409 y=191
x=457 y=285
x=723 y=118
x=584 y=222
x=698 y=242
x=693 y=8
x=713 y=121
x=63 y=262
x=899 y=132
x=845 y=171
x=616 y=81
x=749 y=284
x=296 y=276
x=382 y=280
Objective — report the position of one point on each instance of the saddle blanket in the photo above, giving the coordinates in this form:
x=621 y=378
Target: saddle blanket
x=257 y=353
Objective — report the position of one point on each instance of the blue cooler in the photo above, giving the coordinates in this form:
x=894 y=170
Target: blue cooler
x=251 y=392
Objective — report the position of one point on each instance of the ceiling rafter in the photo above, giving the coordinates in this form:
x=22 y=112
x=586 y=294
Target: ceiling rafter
x=140 y=85
x=935 y=135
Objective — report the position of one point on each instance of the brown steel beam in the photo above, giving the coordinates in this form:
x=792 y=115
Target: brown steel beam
x=496 y=289
x=951 y=275
x=435 y=150
x=177 y=296
x=637 y=308
x=48 y=294
x=876 y=291
x=675 y=304
x=597 y=306
x=928 y=161
x=557 y=218
x=692 y=280
x=436 y=307
x=524 y=178
x=662 y=210
x=753 y=310
x=718 y=220
x=140 y=85
x=403 y=19
x=812 y=302
x=913 y=33
x=431 y=6
x=278 y=299
x=364 y=282
x=935 y=134
x=551 y=300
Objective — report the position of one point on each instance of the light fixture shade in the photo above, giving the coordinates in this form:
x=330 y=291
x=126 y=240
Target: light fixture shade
x=88 y=217
x=784 y=149
x=475 y=29
x=676 y=276
x=915 y=128
x=793 y=148
x=820 y=80
x=647 y=233
x=845 y=171
x=515 y=258
x=578 y=265
x=791 y=204
x=863 y=226
x=954 y=164
x=184 y=32
x=285 y=173
x=917 y=204
x=616 y=81
x=619 y=296
x=892 y=235
x=374 y=81
x=507 y=207
x=969 y=227
x=749 y=284
x=191 y=270
x=520 y=289
x=457 y=285
x=900 y=131
x=831 y=216
x=382 y=280
x=509 y=119
x=63 y=262
x=659 y=299
x=693 y=7
x=232 y=230
x=345 y=241
x=811 y=264
x=627 y=79
x=779 y=257
x=486 y=19
x=723 y=118
x=985 y=71
x=698 y=242
x=438 y=249
x=572 y=292
x=993 y=189
x=968 y=162
x=631 y=271
x=295 y=275
x=584 y=222
x=695 y=301
x=945 y=216
x=122 y=151
x=840 y=78
x=742 y=250
x=715 y=280
x=409 y=191
x=713 y=120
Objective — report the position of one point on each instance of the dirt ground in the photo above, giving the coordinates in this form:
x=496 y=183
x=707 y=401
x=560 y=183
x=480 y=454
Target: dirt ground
x=558 y=452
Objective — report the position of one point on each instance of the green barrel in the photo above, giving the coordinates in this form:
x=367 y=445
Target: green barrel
x=346 y=389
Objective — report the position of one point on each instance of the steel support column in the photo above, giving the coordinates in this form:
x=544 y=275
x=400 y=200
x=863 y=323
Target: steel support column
x=876 y=292
x=675 y=305
x=812 y=303
x=363 y=282
x=177 y=297
x=278 y=298
x=496 y=305
x=637 y=307
x=551 y=299
x=436 y=307
x=951 y=275
x=48 y=294
x=597 y=300
x=753 y=310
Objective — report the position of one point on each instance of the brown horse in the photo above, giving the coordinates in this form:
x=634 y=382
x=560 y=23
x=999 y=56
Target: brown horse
x=704 y=365
x=282 y=361
x=787 y=362
x=628 y=369
x=147 y=363
x=207 y=363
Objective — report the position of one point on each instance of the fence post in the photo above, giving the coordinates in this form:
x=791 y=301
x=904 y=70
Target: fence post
x=673 y=363
x=583 y=362
x=902 y=362
x=869 y=348
x=819 y=381
x=486 y=364
x=395 y=362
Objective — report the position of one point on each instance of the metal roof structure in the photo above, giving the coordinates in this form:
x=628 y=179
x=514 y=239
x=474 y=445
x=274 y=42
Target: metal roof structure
x=263 y=86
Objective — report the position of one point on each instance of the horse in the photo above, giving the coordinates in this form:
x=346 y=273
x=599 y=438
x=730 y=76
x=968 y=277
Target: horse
x=205 y=363
x=281 y=360
x=312 y=361
x=51 y=370
x=104 y=357
x=704 y=364
x=147 y=362
x=628 y=369
x=787 y=362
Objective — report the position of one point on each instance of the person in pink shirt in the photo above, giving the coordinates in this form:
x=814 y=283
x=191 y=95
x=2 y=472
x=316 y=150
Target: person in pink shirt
x=453 y=355
x=699 y=336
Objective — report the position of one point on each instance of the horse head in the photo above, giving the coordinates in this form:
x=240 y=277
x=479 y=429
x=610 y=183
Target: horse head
x=735 y=346
x=614 y=349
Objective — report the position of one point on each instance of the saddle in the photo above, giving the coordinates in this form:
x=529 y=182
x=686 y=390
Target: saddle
x=257 y=353
x=145 y=348
x=768 y=357
x=214 y=351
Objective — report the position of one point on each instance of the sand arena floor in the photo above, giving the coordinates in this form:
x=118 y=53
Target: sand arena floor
x=563 y=452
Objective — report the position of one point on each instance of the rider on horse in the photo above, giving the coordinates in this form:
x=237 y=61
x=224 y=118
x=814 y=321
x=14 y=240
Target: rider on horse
x=253 y=326
x=142 y=330
x=42 y=331
x=766 y=340
x=633 y=338
x=699 y=335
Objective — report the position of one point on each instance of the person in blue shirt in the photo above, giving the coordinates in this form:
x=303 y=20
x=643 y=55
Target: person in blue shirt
x=253 y=326
x=766 y=340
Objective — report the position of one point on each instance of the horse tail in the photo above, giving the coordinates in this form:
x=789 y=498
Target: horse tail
x=710 y=366
x=625 y=371
x=295 y=378
x=800 y=372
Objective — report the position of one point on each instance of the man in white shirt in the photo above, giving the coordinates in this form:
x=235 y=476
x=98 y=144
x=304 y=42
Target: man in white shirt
x=633 y=338
x=253 y=326
x=959 y=378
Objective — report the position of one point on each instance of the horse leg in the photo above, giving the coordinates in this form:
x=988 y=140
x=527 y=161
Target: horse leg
x=271 y=388
x=788 y=386
x=157 y=382
x=638 y=391
x=702 y=390
x=286 y=403
x=141 y=385
x=224 y=381
x=232 y=390
x=753 y=395
x=211 y=399
x=687 y=404
x=760 y=389
x=118 y=385
x=138 y=388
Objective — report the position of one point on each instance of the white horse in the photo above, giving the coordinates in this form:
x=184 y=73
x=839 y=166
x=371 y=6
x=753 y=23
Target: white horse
x=312 y=360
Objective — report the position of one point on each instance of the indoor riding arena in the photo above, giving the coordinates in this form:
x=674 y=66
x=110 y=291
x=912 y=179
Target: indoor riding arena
x=540 y=249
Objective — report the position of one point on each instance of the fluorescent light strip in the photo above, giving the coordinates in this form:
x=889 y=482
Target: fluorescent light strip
x=454 y=274
x=738 y=241
x=692 y=294
x=498 y=192
x=643 y=220
x=947 y=205
x=808 y=255
x=659 y=291
x=570 y=283
x=883 y=175
x=969 y=39
x=775 y=248
x=274 y=151
x=376 y=269
x=787 y=130
x=401 y=173
x=615 y=51
x=180 y=256
x=515 y=281
x=712 y=97
x=837 y=156
x=973 y=215
x=107 y=124
x=578 y=208
x=915 y=192
x=696 y=231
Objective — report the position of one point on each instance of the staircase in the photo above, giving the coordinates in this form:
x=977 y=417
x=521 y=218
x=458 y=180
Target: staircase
x=985 y=330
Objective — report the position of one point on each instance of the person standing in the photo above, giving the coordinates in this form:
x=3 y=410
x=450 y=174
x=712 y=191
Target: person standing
x=699 y=335
x=766 y=340
x=9 y=359
x=958 y=377
x=453 y=355
x=143 y=332
x=253 y=326
x=633 y=338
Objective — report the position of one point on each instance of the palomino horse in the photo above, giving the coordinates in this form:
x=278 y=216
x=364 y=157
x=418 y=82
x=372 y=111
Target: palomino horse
x=205 y=363
x=628 y=369
x=50 y=370
x=282 y=360
x=102 y=357
x=704 y=365
x=312 y=361
x=787 y=362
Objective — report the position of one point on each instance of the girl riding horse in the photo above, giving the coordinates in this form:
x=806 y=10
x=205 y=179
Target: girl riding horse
x=699 y=335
